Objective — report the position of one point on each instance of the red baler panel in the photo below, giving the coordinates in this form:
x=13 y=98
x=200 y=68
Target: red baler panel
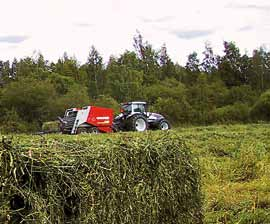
x=100 y=117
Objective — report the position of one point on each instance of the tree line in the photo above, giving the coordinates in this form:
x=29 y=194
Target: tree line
x=230 y=88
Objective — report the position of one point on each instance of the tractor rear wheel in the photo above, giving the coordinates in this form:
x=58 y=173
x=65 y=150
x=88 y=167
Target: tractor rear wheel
x=164 y=125
x=137 y=123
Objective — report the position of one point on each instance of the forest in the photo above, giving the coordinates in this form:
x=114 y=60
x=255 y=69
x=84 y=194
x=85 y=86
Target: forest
x=216 y=89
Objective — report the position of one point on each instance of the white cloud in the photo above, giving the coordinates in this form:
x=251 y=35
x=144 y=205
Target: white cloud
x=56 y=26
x=191 y=34
x=13 y=39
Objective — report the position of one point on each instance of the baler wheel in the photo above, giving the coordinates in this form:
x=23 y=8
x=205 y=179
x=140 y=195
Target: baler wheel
x=89 y=130
x=82 y=130
x=94 y=130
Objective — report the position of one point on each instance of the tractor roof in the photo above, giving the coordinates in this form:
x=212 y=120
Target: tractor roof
x=134 y=102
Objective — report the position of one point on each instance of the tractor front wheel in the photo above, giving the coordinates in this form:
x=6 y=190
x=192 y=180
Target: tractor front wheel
x=138 y=123
x=164 y=125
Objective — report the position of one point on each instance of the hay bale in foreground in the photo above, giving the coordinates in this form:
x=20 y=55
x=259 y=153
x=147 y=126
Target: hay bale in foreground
x=126 y=178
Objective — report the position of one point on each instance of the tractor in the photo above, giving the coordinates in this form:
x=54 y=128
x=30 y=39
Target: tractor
x=133 y=116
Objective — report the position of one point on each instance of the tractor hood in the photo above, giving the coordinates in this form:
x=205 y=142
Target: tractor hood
x=154 y=116
x=150 y=116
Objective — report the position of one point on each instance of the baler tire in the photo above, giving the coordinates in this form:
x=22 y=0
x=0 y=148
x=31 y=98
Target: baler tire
x=134 y=122
x=94 y=130
x=82 y=130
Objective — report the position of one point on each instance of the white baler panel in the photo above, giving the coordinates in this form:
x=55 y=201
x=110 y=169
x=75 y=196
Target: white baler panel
x=81 y=118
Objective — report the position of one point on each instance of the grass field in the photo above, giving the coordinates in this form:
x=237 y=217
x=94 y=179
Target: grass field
x=235 y=166
x=235 y=169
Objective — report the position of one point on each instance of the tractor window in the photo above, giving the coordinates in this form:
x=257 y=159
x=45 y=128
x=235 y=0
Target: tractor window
x=139 y=108
x=127 y=108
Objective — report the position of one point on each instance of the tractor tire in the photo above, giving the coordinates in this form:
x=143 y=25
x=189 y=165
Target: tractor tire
x=137 y=123
x=115 y=128
x=164 y=125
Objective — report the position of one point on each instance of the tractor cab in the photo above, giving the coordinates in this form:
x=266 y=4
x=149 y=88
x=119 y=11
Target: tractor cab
x=131 y=108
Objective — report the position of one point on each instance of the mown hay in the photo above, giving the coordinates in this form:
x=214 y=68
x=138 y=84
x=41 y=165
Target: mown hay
x=51 y=126
x=122 y=178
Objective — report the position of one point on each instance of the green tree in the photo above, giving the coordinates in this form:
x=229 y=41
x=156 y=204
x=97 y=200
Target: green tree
x=1 y=74
x=260 y=72
x=24 y=68
x=149 y=59
x=67 y=66
x=130 y=60
x=94 y=69
x=167 y=67
x=241 y=94
x=12 y=123
x=261 y=109
x=233 y=67
x=168 y=97
x=238 y=112
x=107 y=101
x=177 y=111
x=30 y=99
x=76 y=96
x=124 y=84
x=13 y=71
x=30 y=67
x=61 y=83
x=169 y=88
x=42 y=67
x=204 y=97
x=192 y=68
x=210 y=61
x=193 y=63
x=5 y=73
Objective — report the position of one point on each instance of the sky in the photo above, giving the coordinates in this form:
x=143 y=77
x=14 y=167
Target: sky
x=52 y=27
